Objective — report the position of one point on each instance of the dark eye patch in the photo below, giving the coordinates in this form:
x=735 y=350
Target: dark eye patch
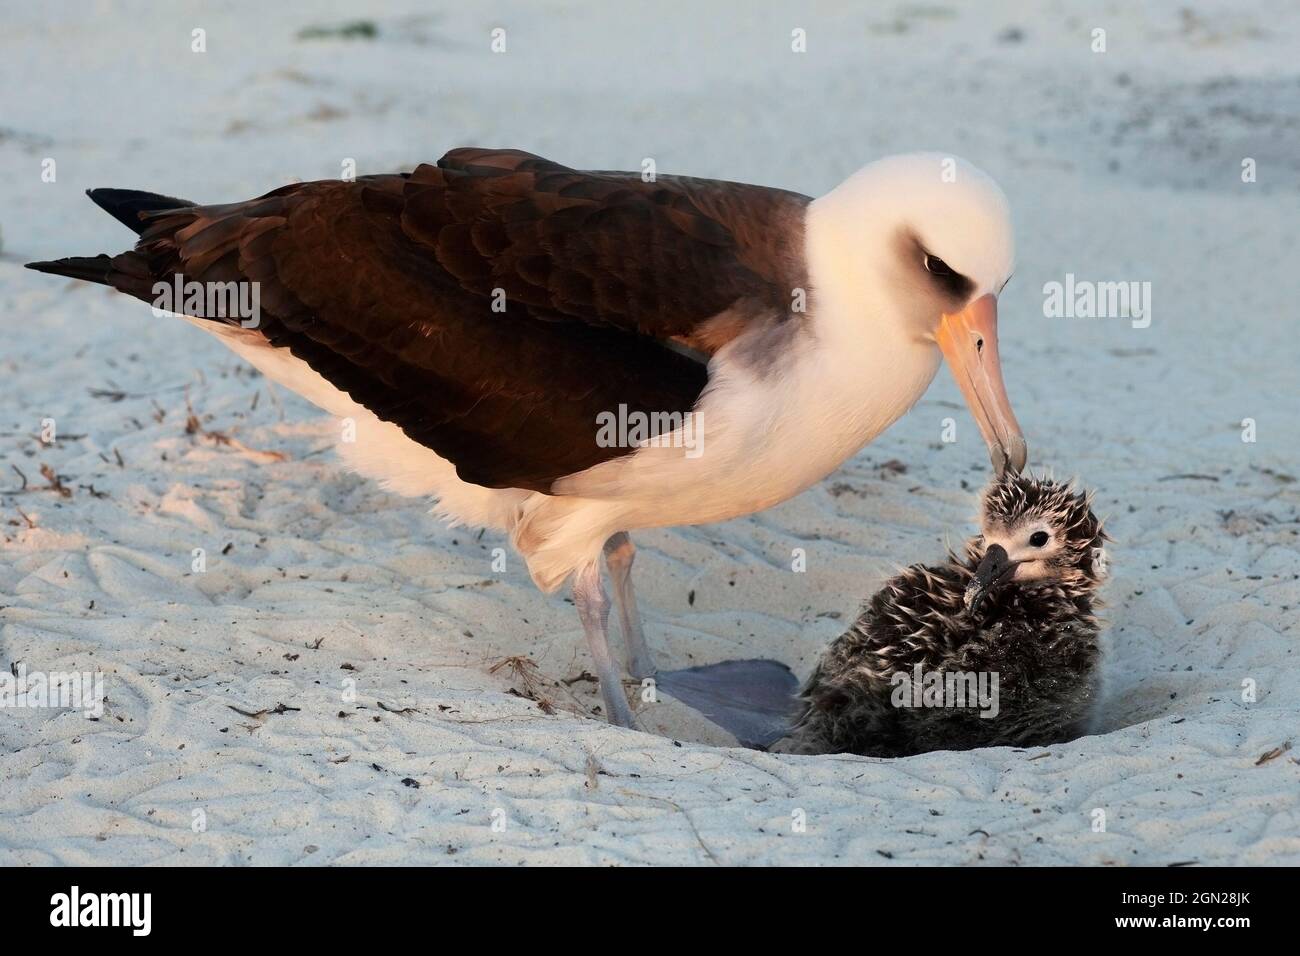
x=947 y=279
x=935 y=273
x=937 y=266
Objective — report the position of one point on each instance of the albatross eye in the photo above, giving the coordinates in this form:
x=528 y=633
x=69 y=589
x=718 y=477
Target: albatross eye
x=937 y=266
x=1038 y=539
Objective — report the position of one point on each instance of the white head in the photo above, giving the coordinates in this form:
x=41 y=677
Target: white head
x=923 y=243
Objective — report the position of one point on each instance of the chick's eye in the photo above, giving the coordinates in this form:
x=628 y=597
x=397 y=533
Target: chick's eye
x=1038 y=539
x=937 y=266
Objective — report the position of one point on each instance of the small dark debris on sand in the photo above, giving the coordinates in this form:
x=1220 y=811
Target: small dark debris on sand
x=351 y=30
x=395 y=710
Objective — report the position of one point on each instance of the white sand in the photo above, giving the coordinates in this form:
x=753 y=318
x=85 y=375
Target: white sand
x=1120 y=166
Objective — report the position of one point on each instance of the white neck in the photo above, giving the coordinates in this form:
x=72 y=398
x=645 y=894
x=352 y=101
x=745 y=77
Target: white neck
x=869 y=359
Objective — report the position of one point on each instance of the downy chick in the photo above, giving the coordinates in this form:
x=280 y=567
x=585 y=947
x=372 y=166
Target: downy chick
x=996 y=647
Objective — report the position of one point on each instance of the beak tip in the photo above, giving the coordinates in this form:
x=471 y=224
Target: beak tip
x=1014 y=455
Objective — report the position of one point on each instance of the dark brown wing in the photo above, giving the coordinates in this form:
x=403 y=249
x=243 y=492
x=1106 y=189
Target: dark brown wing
x=386 y=287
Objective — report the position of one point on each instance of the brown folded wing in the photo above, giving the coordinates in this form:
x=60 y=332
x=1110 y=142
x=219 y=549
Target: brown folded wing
x=493 y=305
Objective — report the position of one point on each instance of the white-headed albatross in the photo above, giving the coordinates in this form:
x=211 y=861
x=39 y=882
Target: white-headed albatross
x=484 y=320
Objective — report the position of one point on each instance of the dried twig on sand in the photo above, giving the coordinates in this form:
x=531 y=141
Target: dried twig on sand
x=55 y=483
x=195 y=427
x=1273 y=754
x=277 y=709
x=525 y=672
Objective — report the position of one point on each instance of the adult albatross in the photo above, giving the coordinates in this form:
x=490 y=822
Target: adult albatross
x=483 y=320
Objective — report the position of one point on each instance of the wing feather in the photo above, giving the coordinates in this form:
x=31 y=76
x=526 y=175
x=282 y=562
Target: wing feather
x=390 y=287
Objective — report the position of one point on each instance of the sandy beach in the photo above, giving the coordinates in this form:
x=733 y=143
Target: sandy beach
x=303 y=668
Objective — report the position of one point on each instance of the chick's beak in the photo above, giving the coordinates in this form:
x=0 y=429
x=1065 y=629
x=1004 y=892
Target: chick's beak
x=993 y=567
x=969 y=341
